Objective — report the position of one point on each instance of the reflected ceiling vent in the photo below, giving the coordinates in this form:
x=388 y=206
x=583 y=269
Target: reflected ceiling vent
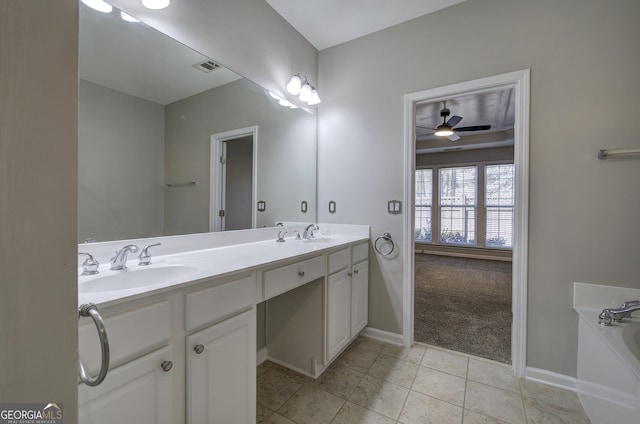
x=206 y=66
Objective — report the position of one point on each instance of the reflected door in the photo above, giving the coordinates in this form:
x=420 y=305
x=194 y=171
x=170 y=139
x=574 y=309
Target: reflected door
x=236 y=184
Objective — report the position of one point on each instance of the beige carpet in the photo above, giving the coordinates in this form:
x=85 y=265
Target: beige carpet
x=464 y=305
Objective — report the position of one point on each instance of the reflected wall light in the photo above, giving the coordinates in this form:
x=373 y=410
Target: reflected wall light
x=300 y=86
x=127 y=17
x=98 y=5
x=155 y=4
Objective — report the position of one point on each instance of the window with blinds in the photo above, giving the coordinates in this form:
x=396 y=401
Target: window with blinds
x=424 y=203
x=458 y=202
x=499 y=201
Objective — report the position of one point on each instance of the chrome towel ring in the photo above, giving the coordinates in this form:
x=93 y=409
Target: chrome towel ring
x=91 y=310
x=386 y=237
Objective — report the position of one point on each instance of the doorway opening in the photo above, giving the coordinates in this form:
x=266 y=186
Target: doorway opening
x=233 y=180
x=459 y=226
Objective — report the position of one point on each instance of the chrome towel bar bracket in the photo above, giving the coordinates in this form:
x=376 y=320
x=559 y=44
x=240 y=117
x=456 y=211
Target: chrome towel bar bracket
x=91 y=310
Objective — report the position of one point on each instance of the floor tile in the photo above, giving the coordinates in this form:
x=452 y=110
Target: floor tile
x=497 y=403
x=275 y=388
x=423 y=409
x=339 y=380
x=277 y=419
x=355 y=414
x=411 y=354
x=440 y=385
x=544 y=412
x=470 y=417
x=493 y=374
x=312 y=405
x=358 y=358
x=552 y=395
x=445 y=361
x=394 y=370
x=366 y=343
x=380 y=396
x=262 y=413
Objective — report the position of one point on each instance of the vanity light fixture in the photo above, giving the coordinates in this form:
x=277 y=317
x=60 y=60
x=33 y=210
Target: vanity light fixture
x=156 y=4
x=99 y=5
x=127 y=17
x=300 y=86
x=281 y=101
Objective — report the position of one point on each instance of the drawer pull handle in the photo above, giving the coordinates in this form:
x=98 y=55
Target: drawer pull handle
x=355 y=271
x=198 y=349
x=300 y=274
x=166 y=366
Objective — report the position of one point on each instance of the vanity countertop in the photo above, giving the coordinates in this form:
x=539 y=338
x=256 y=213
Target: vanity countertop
x=182 y=269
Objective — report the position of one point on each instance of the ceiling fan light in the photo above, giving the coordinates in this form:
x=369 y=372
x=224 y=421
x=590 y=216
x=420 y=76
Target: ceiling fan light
x=295 y=85
x=99 y=5
x=156 y=4
x=443 y=131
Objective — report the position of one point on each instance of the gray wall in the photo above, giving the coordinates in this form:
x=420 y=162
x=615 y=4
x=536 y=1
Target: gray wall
x=121 y=165
x=38 y=198
x=286 y=154
x=584 y=59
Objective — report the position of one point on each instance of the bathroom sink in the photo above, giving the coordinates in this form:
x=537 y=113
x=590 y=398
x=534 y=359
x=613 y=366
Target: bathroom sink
x=136 y=277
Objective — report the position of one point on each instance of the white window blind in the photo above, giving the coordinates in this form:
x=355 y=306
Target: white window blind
x=458 y=202
x=499 y=201
x=424 y=203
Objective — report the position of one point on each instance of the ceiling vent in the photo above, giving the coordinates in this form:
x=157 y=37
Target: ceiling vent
x=206 y=66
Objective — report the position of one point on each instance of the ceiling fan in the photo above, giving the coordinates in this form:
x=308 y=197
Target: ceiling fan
x=447 y=128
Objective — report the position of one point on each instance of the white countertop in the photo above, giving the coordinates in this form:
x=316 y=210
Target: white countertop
x=209 y=263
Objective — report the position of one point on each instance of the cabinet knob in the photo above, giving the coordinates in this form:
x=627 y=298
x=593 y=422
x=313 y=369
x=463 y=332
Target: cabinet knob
x=300 y=274
x=166 y=365
x=355 y=271
x=198 y=349
x=349 y=274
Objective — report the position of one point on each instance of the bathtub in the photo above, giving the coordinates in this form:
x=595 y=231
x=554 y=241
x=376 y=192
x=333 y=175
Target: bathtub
x=608 y=381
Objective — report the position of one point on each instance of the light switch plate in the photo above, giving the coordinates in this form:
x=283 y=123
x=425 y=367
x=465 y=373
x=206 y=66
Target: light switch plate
x=394 y=207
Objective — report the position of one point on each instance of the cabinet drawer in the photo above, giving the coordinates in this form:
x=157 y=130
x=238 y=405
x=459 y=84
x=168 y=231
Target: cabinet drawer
x=359 y=252
x=219 y=302
x=339 y=260
x=130 y=334
x=280 y=280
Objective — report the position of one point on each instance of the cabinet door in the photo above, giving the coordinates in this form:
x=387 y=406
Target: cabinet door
x=221 y=378
x=359 y=297
x=338 y=312
x=137 y=392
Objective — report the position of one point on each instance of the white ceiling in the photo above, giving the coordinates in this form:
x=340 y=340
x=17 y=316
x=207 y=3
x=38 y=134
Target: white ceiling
x=326 y=23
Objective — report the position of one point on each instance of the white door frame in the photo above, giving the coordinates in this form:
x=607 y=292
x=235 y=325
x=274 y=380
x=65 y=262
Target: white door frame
x=215 y=187
x=519 y=80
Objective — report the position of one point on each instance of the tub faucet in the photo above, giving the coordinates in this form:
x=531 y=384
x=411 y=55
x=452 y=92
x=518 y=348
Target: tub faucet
x=617 y=314
x=309 y=234
x=119 y=261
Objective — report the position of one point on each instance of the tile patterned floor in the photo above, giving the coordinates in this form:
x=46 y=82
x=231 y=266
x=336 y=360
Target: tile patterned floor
x=377 y=383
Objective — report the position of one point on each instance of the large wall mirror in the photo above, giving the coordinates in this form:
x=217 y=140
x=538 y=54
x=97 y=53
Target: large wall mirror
x=156 y=116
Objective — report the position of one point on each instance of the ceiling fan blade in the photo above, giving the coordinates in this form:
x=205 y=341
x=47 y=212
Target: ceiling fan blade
x=454 y=137
x=425 y=128
x=454 y=120
x=474 y=128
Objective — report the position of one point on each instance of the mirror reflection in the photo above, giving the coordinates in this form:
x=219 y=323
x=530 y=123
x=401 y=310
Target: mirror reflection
x=168 y=139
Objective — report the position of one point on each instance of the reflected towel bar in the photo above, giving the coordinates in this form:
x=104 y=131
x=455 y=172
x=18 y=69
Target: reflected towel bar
x=187 y=184
x=606 y=154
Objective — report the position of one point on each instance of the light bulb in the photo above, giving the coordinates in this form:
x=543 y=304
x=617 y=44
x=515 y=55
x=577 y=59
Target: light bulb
x=274 y=95
x=305 y=93
x=315 y=99
x=156 y=4
x=443 y=131
x=295 y=85
x=98 y=5
x=128 y=18
x=285 y=103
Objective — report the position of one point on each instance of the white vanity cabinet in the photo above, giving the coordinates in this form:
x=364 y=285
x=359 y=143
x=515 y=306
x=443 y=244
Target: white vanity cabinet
x=221 y=372
x=347 y=296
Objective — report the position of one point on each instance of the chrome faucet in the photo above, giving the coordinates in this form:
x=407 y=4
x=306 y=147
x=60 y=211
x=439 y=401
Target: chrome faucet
x=144 y=258
x=617 y=314
x=119 y=261
x=90 y=264
x=308 y=232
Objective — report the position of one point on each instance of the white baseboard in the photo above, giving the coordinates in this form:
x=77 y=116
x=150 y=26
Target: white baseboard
x=383 y=336
x=261 y=355
x=551 y=378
